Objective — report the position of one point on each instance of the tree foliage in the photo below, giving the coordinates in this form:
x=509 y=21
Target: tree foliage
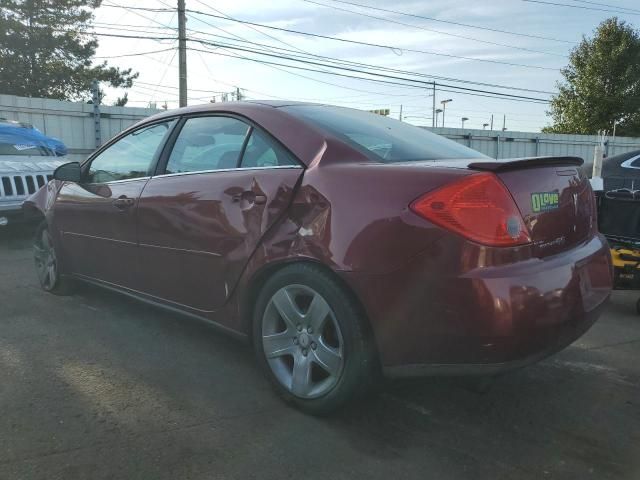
x=122 y=101
x=47 y=50
x=602 y=84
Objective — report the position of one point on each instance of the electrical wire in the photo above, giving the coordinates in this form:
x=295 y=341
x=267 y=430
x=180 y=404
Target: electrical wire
x=417 y=83
x=450 y=22
x=582 y=7
x=392 y=48
x=397 y=22
x=376 y=45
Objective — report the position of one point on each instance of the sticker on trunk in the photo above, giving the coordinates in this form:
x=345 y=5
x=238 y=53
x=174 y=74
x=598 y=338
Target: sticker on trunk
x=545 y=201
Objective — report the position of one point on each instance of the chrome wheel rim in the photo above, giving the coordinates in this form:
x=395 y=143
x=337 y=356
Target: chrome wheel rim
x=302 y=341
x=46 y=261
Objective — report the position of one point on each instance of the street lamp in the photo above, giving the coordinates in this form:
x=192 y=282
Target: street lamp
x=464 y=119
x=444 y=107
x=438 y=112
x=484 y=126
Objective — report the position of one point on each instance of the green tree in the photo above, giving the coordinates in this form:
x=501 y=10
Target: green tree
x=122 y=101
x=602 y=84
x=46 y=50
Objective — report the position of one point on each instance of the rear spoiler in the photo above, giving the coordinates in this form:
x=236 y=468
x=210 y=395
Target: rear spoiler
x=520 y=163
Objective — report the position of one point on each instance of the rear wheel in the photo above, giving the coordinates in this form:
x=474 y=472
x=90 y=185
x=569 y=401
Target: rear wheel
x=311 y=339
x=47 y=263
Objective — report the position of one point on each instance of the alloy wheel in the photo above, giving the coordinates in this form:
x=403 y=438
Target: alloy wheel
x=46 y=261
x=302 y=341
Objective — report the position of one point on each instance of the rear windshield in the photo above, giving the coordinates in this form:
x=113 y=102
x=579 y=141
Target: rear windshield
x=380 y=138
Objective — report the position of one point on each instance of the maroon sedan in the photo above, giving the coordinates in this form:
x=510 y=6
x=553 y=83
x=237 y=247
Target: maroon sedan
x=342 y=244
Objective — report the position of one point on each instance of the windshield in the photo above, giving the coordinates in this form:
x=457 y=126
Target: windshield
x=380 y=138
x=23 y=149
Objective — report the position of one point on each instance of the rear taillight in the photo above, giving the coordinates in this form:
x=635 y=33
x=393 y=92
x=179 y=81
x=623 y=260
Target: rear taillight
x=478 y=207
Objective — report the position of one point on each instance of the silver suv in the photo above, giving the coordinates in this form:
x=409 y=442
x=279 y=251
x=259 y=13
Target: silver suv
x=25 y=167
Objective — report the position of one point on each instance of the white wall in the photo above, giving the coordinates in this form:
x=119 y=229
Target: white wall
x=498 y=144
x=71 y=122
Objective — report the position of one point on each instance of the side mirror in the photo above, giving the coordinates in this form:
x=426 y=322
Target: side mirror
x=69 y=172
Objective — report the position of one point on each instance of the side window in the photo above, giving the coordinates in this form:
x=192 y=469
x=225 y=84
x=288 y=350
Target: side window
x=130 y=157
x=207 y=143
x=263 y=152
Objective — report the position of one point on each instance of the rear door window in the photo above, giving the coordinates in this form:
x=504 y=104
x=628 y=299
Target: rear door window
x=262 y=152
x=208 y=143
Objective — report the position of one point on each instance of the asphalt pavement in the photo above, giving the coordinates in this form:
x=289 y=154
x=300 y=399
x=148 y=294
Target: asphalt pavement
x=99 y=386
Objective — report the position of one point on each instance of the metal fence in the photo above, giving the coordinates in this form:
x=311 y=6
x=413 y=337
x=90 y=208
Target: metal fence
x=71 y=122
x=498 y=144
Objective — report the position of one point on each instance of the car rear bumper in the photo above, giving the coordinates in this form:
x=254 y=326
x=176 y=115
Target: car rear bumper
x=487 y=319
x=563 y=339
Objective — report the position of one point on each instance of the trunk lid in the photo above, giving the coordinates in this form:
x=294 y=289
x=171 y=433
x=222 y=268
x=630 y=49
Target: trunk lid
x=553 y=196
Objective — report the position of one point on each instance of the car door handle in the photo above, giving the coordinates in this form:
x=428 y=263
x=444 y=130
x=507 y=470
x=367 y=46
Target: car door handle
x=249 y=197
x=123 y=202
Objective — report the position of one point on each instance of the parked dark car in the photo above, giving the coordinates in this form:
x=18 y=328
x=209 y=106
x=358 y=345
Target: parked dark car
x=622 y=171
x=342 y=244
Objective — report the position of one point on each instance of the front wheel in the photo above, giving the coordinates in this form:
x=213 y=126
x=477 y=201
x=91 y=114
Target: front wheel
x=47 y=263
x=311 y=339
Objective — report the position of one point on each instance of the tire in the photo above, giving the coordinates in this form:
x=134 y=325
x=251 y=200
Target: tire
x=318 y=370
x=47 y=264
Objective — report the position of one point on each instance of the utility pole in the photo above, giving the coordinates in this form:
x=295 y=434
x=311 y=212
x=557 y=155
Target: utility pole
x=433 y=111
x=400 y=117
x=182 y=53
x=491 y=122
x=504 y=123
x=95 y=98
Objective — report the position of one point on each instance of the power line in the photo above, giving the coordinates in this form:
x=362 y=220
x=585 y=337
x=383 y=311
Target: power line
x=242 y=39
x=417 y=83
x=376 y=45
x=392 y=48
x=252 y=28
x=386 y=77
x=396 y=80
x=582 y=7
x=397 y=22
x=341 y=63
x=450 y=22
x=137 y=54
x=422 y=84
x=606 y=5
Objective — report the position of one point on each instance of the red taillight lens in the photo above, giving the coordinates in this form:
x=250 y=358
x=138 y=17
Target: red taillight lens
x=478 y=207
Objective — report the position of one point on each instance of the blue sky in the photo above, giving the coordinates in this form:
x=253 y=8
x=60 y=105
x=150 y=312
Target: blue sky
x=209 y=71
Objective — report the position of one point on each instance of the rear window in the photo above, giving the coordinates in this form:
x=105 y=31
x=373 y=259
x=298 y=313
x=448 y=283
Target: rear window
x=380 y=138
